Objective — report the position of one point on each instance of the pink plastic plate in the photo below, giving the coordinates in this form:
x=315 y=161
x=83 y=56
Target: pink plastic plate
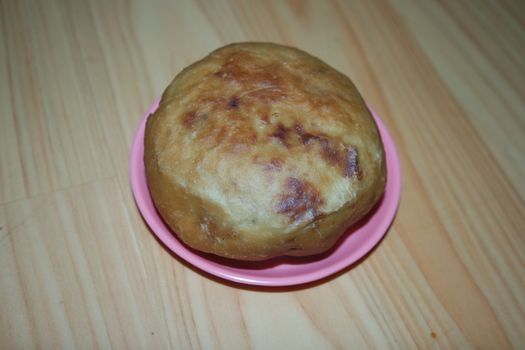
x=281 y=271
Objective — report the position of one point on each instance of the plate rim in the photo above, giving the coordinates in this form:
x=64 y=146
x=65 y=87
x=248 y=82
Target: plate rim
x=172 y=242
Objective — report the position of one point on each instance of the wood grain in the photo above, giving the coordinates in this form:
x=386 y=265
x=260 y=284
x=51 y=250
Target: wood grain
x=80 y=269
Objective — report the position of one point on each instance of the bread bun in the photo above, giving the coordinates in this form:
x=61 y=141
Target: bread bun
x=260 y=150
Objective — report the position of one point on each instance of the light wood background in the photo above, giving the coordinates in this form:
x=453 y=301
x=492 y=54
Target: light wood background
x=79 y=268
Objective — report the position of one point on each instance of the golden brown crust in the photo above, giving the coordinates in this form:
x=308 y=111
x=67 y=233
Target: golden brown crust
x=261 y=150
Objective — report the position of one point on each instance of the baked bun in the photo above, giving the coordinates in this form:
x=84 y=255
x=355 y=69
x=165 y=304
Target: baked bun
x=260 y=150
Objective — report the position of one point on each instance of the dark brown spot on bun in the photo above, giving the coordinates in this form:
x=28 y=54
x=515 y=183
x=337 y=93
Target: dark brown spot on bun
x=330 y=152
x=305 y=137
x=300 y=202
x=281 y=133
x=343 y=156
x=189 y=119
x=352 y=164
x=265 y=119
x=234 y=102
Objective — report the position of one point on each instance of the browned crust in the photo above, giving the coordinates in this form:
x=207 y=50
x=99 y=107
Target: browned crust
x=261 y=150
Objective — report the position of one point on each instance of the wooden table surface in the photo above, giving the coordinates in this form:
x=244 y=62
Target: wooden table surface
x=80 y=269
